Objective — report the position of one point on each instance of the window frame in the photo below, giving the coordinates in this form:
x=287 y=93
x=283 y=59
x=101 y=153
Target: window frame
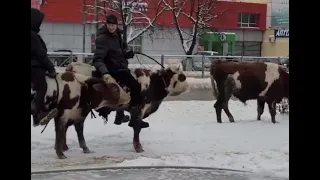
x=134 y=43
x=249 y=23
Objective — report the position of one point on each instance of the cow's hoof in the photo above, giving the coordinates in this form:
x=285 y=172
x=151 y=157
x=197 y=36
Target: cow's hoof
x=232 y=122
x=139 y=149
x=219 y=122
x=65 y=148
x=87 y=151
x=62 y=156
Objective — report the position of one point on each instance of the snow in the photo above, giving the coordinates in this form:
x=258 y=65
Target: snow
x=199 y=83
x=188 y=136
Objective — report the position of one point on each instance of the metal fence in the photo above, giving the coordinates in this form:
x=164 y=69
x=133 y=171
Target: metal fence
x=197 y=65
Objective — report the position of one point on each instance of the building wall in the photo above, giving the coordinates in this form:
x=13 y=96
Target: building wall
x=70 y=11
x=269 y=6
x=158 y=41
x=278 y=48
x=59 y=35
x=63 y=28
x=276 y=9
x=69 y=36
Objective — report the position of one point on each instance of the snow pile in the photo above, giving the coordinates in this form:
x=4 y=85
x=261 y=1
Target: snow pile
x=199 y=83
x=181 y=133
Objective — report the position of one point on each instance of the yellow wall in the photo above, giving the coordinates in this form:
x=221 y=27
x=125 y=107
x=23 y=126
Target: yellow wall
x=278 y=48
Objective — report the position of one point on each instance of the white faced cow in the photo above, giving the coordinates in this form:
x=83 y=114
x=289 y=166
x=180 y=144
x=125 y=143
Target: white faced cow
x=72 y=96
x=155 y=87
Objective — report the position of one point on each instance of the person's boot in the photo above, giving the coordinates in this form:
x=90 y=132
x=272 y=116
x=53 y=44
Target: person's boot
x=35 y=112
x=121 y=118
x=136 y=119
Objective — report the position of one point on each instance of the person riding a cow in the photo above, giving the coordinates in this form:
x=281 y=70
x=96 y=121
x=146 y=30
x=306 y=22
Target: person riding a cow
x=40 y=65
x=111 y=60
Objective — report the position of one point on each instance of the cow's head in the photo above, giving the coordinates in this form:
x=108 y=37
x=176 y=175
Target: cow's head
x=175 y=79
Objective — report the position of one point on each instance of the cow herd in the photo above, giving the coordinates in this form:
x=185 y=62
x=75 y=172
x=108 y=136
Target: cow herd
x=79 y=89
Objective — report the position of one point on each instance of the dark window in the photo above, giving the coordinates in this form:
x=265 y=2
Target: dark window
x=247 y=20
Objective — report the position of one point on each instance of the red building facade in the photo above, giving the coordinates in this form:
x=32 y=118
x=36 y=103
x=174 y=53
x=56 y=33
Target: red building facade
x=234 y=15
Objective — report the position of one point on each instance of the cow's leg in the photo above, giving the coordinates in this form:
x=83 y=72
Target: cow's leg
x=121 y=117
x=229 y=86
x=218 y=108
x=220 y=102
x=136 y=139
x=226 y=110
x=260 y=108
x=272 y=110
x=64 y=145
x=82 y=141
x=59 y=127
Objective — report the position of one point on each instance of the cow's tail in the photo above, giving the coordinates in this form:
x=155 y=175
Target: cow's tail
x=215 y=91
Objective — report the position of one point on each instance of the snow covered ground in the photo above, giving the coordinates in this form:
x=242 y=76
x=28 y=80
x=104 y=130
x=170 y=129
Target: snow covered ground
x=181 y=133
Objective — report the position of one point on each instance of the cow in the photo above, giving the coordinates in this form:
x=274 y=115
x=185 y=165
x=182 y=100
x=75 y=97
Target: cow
x=71 y=96
x=264 y=81
x=155 y=86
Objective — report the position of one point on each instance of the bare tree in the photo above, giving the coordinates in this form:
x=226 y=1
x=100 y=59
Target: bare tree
x=199 y=13
x=133 y=14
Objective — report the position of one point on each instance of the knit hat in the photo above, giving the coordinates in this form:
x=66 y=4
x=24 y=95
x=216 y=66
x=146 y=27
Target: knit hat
x=112 y=19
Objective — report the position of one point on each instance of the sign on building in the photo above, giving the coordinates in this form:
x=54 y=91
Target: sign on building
x=280 y=13
x=281 y=33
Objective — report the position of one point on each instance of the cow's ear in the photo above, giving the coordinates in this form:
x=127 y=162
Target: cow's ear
x=98 y=87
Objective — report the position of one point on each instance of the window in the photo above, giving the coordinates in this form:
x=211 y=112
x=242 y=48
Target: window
x=247 y=20
x=136 y=44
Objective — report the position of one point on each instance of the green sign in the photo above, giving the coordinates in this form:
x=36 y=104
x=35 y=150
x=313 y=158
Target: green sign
x=280 y=13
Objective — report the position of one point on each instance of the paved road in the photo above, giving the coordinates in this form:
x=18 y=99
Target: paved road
x=193 y=95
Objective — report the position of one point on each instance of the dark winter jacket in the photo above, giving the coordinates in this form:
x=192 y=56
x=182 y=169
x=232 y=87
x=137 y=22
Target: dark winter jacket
x=110 y=53
x=39 y=57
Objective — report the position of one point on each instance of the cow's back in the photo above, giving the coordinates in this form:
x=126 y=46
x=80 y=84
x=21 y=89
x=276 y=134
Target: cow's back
x=224 y=68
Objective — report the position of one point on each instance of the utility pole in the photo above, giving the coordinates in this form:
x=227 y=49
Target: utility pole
x=84 y=21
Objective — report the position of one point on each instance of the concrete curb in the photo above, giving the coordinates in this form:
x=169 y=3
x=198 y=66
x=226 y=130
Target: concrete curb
x=133 y=167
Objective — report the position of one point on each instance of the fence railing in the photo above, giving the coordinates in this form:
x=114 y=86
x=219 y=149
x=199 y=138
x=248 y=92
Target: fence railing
x=197 y=64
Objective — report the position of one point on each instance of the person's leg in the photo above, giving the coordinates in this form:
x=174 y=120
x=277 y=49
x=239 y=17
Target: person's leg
x=135 y=91
x=38 y=78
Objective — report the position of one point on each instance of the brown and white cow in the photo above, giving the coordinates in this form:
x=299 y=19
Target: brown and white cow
x=73 y=96
x=266 y=82
x=155 y=86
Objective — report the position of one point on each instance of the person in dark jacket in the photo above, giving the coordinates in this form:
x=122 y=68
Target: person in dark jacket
x=110 y=59
x=40 y=64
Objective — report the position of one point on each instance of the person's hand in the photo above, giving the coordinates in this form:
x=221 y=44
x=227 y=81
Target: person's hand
x=129 y=54
x=108 y=78
x=52 y=74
